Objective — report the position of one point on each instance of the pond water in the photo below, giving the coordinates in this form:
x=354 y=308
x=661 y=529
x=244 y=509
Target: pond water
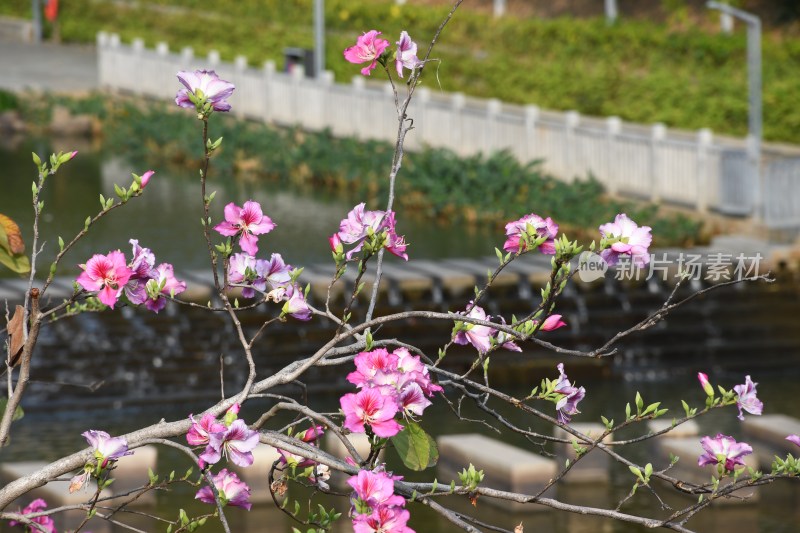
x=166 y=218
x=162 y=363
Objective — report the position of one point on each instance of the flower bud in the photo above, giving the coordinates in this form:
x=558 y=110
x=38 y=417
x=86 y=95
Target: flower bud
x=705 y=384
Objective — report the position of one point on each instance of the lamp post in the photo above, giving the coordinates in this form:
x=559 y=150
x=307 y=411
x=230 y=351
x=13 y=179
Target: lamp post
x=754 y=113
x=36 y=10
x=319 y=38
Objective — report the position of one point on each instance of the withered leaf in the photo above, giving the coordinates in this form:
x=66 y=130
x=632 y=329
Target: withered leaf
x=518 y=529
x=15 y=243
x=16 y=336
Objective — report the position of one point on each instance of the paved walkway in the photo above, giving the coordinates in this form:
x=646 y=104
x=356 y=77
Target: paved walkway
x=47 y=67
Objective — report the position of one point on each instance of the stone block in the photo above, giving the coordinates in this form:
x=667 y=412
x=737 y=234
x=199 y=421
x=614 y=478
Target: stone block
x=505 y=467
x=767 y=434
x=594 y=466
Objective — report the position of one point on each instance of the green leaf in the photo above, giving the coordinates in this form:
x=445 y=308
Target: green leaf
x=18 y=412
x=416 y=448
x=18 y=263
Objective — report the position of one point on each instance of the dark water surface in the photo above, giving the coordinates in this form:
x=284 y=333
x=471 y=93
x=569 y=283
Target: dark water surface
x=148 y=367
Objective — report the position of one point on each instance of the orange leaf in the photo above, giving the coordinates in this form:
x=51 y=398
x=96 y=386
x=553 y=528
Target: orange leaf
x=16 y=336
x=15 y=242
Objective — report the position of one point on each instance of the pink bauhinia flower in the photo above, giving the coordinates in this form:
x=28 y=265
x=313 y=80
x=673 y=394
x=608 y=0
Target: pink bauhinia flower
x=531 y=227
x=375 y=488
x=45 y=522
x=231 y=490
x=106 y=274
x=384 y=519
x=723 y=450
x=746 y=398
x=406 y=54
x=370 y=407
x=794 y=439
x=552 y=322
x=296 y=306
x=206 y=87
x=633 y=241
x=362 y=224
x=368 y=48
x=246 y=221
x=198 y=434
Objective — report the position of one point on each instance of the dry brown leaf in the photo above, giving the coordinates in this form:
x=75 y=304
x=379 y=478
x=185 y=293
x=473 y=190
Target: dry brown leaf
x=16 y=336
x=518 y=529
x=15 y=242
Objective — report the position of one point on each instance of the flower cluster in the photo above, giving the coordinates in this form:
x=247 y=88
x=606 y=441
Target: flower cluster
x=371 y=49
x=143 y=282
x=746 y=398
x=390 y=383
x=371 y=229
x=626 y=238
x=149 y=284
x=45 y=522
x=254 y=274
x=527 y=231
x=230 y=437
x=567 y=405
x=203 y=91
x=724 y=451
x=483 y=338
x=375 y=506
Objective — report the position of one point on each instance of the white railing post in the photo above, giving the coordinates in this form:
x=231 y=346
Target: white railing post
x=571 y=120
x=359 y=124
x=137 y=47
x=269 y=89
x=162 y=49
x=531 y=146
x=421 y=118
x=455 y=138
x=704 y=141
x=491 y=135
x=499 y=8
x=612 y=177
x=325 y=82
x=187 y=56
x=657 y=136
x=213 y=58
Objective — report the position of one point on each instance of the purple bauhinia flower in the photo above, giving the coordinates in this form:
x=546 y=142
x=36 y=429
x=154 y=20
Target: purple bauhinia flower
x=724 y=450
x=163 y=284
x=236 y=443
x=106 y=447
x=568 y=404
x=794 y=439
x=231 y=489
x=246 y=221
x=406 y=55
x=206 y=87
x=368 y=48
x=198 y=434
x=633 y=241
x=746 y=398
x=477 y=335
